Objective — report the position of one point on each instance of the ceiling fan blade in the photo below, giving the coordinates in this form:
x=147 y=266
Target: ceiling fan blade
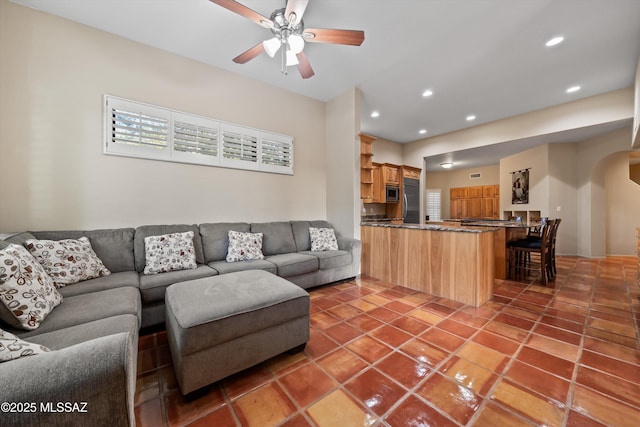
x=242 y=10
x=324 y=35
x=295 y=6
x=249 y=54
x=304 y=67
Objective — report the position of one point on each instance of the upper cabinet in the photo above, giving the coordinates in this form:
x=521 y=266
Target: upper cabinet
x=481 y=202
x=410 y=172
x=366 y=168
x=391 y=174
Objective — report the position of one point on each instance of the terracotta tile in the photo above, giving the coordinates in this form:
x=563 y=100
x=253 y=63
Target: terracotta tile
x=576 y=419
x=342 y=332
x=147 y=387
x=614 y=327
x=307 y=384
x=403 y=369
x=365 y=322
x=264 y=407
x=369 y=349
x=496 y=342
x=470 y=375
x=493 y=416
x=319 y=344
x=611 y=337
x=424 y=352
x=326 y=302
x=163 y=355
x=547 y=362
x=487 y=310
x=377 y=299
x=342 y=364
x=168 y=379
x=439 y=309
x=563 y=324
x=417 y=300
x=384 y=314
x=415 y=412
x=469 y=319
x=221 y=417
x=457 y=401
x=611 y=366
x=376 y=391
x=247 y=380
x=145 y=342
x=345 y=311
x=338 y=409
x=528 y=404
x=516 y=334
x=522 y=314
x=539 y=381
x=181 y=411
x=362 y=305
x=297 y=421
x=409 y=324
x=557 y=348
x=146 y=361
x=323 y=320
x=399 y=307
x=616 y=351
x=609 y=385
x=286 y=362
x=149 y=413
x=457 y=328
x=345 y=297
x=442 y=339
x=483 y=356
x=426 y=316
x=390 y=335
x=603 y=409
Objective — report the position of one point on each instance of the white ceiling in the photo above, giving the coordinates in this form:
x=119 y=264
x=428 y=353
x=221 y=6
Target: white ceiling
x=482 y=57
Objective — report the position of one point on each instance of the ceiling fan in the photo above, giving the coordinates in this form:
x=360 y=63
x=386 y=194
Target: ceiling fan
x=289 y=33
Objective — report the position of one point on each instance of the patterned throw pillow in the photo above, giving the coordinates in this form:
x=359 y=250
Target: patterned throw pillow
x=169 y=252
x=244 y=246
x=67 y=261
x=27 y=293
x=12 y=347
x=323 y=239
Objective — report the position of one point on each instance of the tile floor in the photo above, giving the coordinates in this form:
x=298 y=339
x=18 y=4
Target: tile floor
x=563 y=355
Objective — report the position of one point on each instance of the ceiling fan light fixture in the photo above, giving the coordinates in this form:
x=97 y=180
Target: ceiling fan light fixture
x=296 y=43
x=271 y=46
x=292 y=59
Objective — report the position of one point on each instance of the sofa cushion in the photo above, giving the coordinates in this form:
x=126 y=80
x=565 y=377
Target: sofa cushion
x=244 y=246
x=215 y=238
x=301 y=232
x=294 y=264
x=152 y=287
x=20 y=238
x=169 y=252
x=159 y=230
x=80 y=309
x=331 y=259
x=114 y=280
x=67 y=261
x=27 y=293
x=12 y=347
x=224 y=267
x=278 y=237
x=323 y=239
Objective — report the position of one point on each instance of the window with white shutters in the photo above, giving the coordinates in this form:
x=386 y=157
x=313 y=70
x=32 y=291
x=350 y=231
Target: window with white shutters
x=432 y=203
x=136 y=129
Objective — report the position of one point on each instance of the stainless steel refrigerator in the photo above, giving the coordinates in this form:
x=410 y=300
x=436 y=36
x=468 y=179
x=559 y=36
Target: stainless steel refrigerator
x=411 y=201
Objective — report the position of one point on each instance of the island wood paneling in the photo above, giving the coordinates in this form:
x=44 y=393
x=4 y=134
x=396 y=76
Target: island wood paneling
x=455 y=265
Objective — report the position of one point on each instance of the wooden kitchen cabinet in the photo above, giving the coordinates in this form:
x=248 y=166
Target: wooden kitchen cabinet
x=459 y=193
x=491 y=191
x=490 y=207
x=378 y=184
x=459 y=208
x=366 y=168
x=475 y=192
x=410 y=172
x=478 y=202
x=391 y=174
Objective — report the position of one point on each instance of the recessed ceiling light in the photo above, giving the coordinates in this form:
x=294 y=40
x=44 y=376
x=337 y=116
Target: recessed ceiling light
x=375 y=114
x=573 y=89
x=422 y=131
x=427 y=93
x=446 y=165
x=554 y=41
x=471 y=117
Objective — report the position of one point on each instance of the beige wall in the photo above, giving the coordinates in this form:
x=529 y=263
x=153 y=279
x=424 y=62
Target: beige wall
x=385 y=151
x=53 y=74
x=622 y=206
x=563 y=194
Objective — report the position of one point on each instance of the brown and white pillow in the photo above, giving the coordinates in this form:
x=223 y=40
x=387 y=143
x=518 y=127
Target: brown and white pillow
x=12 y=347
x=169 y=252
x=323 y=239
x=244 y=246
x=67 y=261
x=27 y=292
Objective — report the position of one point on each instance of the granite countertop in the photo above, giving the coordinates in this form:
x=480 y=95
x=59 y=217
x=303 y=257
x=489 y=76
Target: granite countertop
x=507 y=224
x=432 y=227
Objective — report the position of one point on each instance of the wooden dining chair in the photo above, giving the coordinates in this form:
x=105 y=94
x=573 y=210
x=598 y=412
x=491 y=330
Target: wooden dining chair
x=528 y=255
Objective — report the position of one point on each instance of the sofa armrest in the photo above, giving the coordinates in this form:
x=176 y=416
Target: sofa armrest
x=91 y=383
x=355 y=247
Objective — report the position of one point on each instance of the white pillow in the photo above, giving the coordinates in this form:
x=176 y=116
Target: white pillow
x=244 y=246
x=27 y=293
x=169 y=252
x=323 y=239
x=12 y=347
x=67 y=261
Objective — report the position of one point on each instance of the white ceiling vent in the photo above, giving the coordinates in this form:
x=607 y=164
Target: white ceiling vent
x=475 y=175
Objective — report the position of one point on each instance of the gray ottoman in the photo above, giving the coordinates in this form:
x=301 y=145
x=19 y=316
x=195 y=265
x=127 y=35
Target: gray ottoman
x=220 y=325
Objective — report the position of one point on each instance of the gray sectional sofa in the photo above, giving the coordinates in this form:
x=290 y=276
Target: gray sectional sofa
x=93 y=333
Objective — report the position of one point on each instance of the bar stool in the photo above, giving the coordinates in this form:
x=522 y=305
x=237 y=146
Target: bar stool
x=520 y=252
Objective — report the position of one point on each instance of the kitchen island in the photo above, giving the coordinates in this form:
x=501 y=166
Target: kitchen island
x=454 y=262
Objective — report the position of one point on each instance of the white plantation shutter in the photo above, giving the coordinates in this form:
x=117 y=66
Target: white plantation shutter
x=135 y=129
x=432 y=203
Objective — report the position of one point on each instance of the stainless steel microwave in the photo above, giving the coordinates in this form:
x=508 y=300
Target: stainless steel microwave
x=392 y=193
